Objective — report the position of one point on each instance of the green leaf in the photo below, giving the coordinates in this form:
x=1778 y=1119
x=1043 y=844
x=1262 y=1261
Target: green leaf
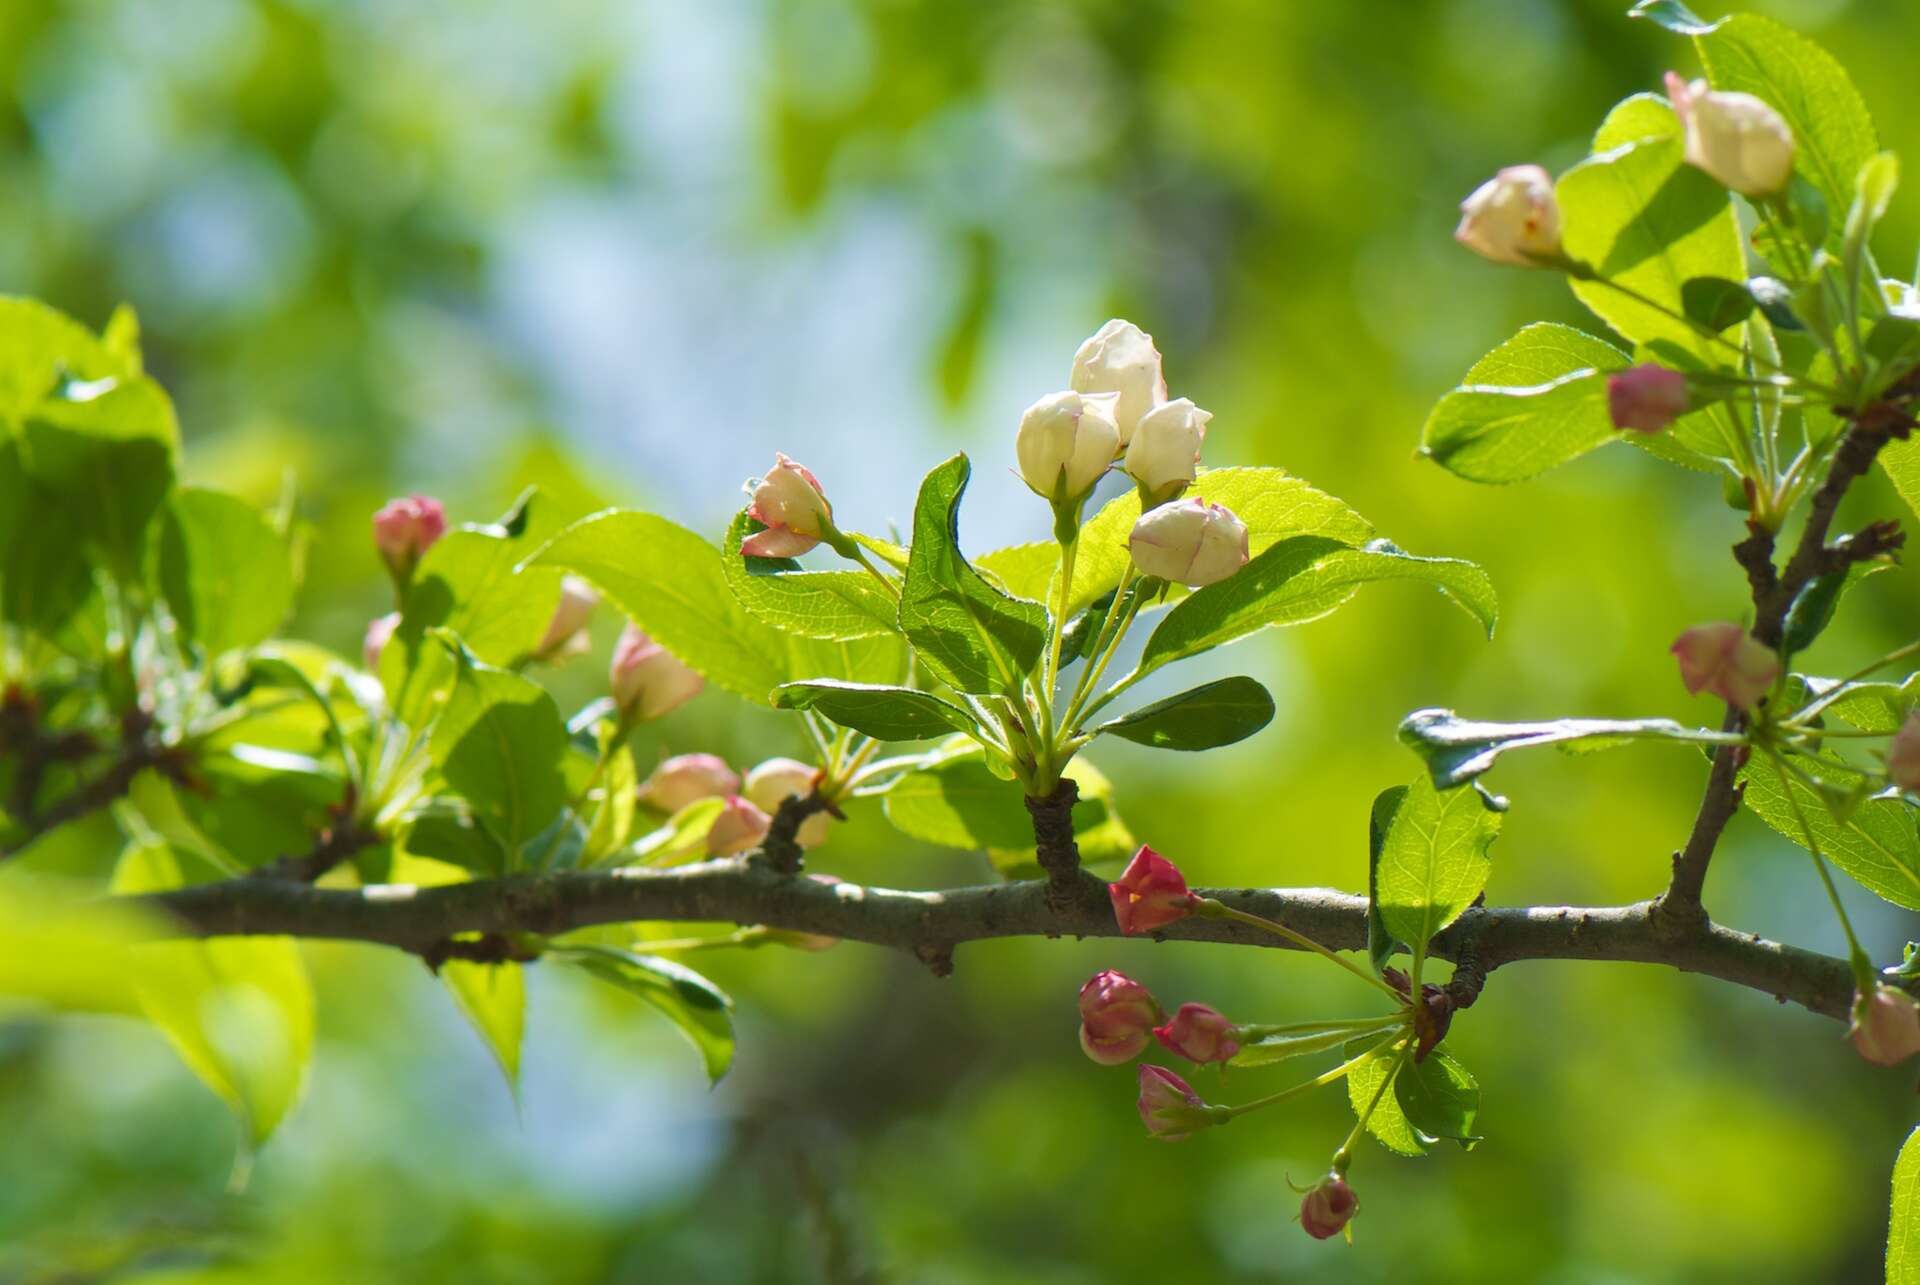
x=699 y=1008
x=812 y=604
x=106 y=452
x=1439 y=1099
x=1641 y=116
x=1265 y=1049
x=39 y=346
x=1903 y=1227
x=1716 y=302
x=225 y=571
x=1388 y=1123
x=455 y=838
x=682 y=838
x=1200 y=718
x=957 y=802
x=493 y=999
x=1877 y=845
x=1432 y=861
x=618 y=795
x=1456 y=749
x=1901 y=460
x=884 y=713
x=968 y=633
x=1871 y=707
x=1873 y=193
x=1535 y=402
x=1300 y=579
x=1812 y=611
x=499 y=743
x=1023 y=570
x=1381 y=943
x=1672 y=15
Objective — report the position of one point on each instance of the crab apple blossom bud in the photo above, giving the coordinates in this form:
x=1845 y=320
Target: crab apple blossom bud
x=1886 y=1026
x=740 y=827
x=1116 y=1014
x=379 y=630
x=1120 y=358
x=1169 y=1107
x=1150 y=892
x=775 y=781
x=688 y=778
x=790 y=502
x=1737 y=139
x=1165 y=452
x=1198 y=1034
x=1903 y=755
x=1513 y=217
x=405 y=529
x=1066 y=443
x=1647 y=397
x=566 y=632
x=647 y=681
x=1329 y=1207
x=1727 y=661
x=1190 y=541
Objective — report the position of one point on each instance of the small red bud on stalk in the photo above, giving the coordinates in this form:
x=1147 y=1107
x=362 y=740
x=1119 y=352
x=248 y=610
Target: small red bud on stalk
x=405 y=529
x=1150 y=893
x=1726 y=660
x=1169 y=1107
x=1199 y=1034
x=1328 y=1207
x=1886 y=1026
x=1116 y=1016
x=1647 y=398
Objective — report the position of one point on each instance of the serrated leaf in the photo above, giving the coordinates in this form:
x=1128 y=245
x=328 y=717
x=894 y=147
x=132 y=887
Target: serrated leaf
x=700 y=1009
x=1903 y=1226
x=1388 y=1123
x=1877 y=845
x=812 y=604
x=1023 y=570
x=226 y=573
x=957 y=802
x=1200 y=718
x=1432 y=861
x=1381 y=943
x=1439 y=1098
x=1458 y=749
x=499 y=743
x=1535 y=402
x=493 y=999
x=1643 y=115
x=884 y=713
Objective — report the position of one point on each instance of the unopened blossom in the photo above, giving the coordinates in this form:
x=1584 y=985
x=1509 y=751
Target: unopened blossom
x=1513 y=217
x=379 y=630
x=1164 y=455
x=648 y=681
x=1886 y=1026
x=790 y=502
x=1647 y=397
x=1169 y=1107
x=1736 y=138
x=1329 y=1207
x=1150 y=893
x=1190 y=541
x=740 y=827
x=1116 y=1016
x=1726 y=660
x=1120 y=358
x=1066 y=443
x=1903 y=755
x=405 y=529
x=1199 y=1034
x=688 y=778
x=778 y=779
x=567 y=630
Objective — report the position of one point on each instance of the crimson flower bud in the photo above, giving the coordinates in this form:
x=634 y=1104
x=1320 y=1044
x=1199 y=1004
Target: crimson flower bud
x=405 y=529
x=1513 y=217
x=1150 y=892
x=1726 y=660
x=791 y=503
x=1903 y=755
x=778 y=779
x=647 y=681
x=688 y=778
x=1647 y=397
x=567 y=631
x=379 y=630
x=1198 y=1034
x=1886 y=1026
x=1116 y=1013
x=1169 y=1107
x=1189 y=541
x=1329 y=1207
x=740 y=827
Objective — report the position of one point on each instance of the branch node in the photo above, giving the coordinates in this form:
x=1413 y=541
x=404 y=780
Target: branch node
x=937 y=957
x=1054 y=845
x=781 y=847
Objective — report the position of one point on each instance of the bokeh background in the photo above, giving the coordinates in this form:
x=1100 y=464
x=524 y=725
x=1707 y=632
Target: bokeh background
x=627 y=251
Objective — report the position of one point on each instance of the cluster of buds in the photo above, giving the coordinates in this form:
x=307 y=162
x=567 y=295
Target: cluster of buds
x=750 y=804
x=1118 y=1015
x=1727 y=661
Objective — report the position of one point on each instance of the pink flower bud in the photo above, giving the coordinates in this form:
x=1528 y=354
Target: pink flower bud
x=1513 y=217
x=379 y=630
x=1647 y=397
x=688 y=778
x=1169 y=1107
x=646 y=679
x=405 y=529
x=1116 y=1013
x=1903 y=755
x=739 y=828
x=566 y=631
x=1150 y=892
x=1198 y=1034
x=1189 y=541
x=1329 y=1207
x=1726 y=660
x=775 y=781
x=1886 y=1026
x=794 y=508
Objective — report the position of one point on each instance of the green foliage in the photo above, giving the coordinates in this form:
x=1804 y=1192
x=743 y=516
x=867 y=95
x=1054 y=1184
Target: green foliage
x=225 y=571
x=499 y=742
x=882 y=712
x=1200 y=718
x=493 y=999
x=1903 y=1232
x=955 y=800
x=810 y=604
x=1458 y=749
x=1439 y=1099
x=1535 y=402
x=1429 y=859
x=1875 y=841
x=692 y=1003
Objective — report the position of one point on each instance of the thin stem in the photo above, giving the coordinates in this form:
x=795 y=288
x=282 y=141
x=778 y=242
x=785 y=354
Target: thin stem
x=1220 y=910
x=1081 y=708
x=886 y=582
x=1069 y=554
x=1712 y=336
x=1858 y=957
x=1344 y=1156
x=1220 y=1115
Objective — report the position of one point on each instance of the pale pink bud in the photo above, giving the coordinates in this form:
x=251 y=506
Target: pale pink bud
x=405 y=529
x=1149 y=893
x=790 y=502
x=1726 y=660
x=1190 y=541
x=1169 y=1107
x=1329 y=1207
x=1165 y=453
x=1903 y=755
x=566 y=631
x=379 y=630
x=1116 y=1013
x=740 y=827
x=1647 y=397
x=1198 y=1034
x=773 y=782
x=647 y=681
x=1513 y=217
x=1120 y=358
x=1886 y=1026
x=1736 y=138
x=688 y=778
x=1066 y=443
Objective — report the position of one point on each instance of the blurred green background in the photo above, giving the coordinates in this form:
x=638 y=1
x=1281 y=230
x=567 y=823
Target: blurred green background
x=628 y=250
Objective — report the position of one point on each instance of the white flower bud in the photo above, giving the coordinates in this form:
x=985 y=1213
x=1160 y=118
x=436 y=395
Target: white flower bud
x=1066 y=443
x=1736 y=138
x=1513 y=217
x=688 y=778
x=773 y=782
x=1120 y=358
x=646 y=680
x=1165 y=451
x=567 y=631
x=1189 y=541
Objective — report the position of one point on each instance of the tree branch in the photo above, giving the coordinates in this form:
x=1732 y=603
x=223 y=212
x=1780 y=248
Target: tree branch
x=929 y=924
